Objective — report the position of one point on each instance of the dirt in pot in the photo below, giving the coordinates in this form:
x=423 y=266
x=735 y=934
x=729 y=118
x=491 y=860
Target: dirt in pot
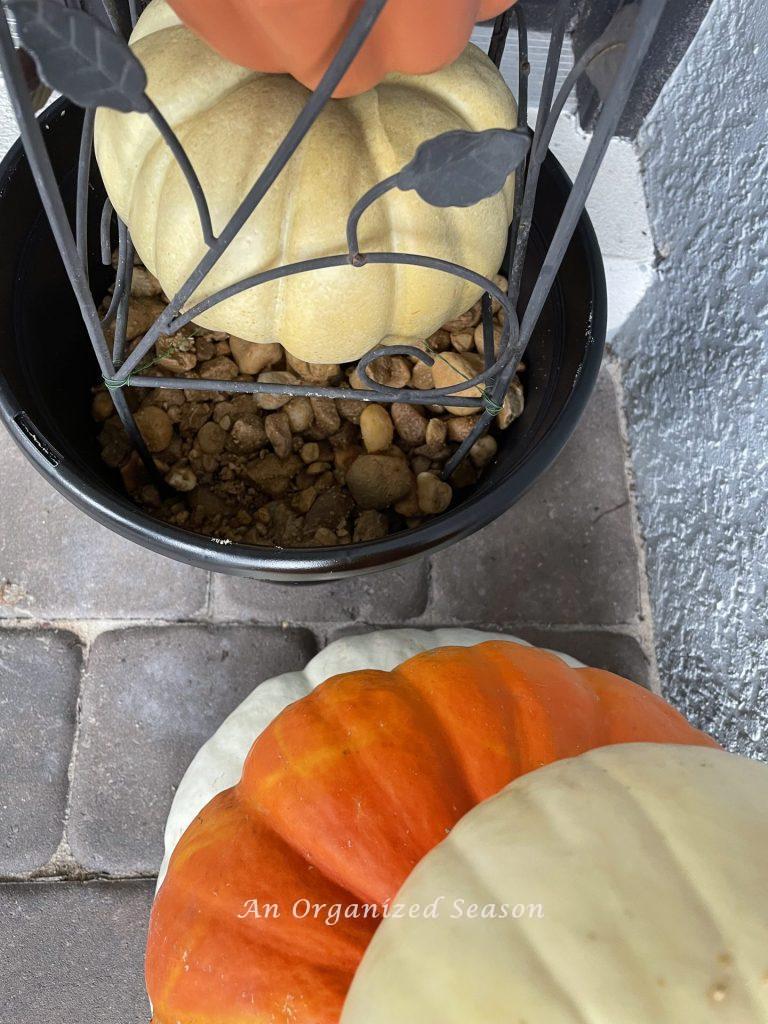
x=296 y=472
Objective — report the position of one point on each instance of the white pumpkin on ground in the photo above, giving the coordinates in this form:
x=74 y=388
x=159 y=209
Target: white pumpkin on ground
x=219 y=762
x=230 y=121
x=636 y=882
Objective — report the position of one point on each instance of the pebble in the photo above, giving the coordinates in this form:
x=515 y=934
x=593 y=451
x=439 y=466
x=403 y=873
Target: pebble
x=314 y=373
x=155 y=427
x=370 y=525
x=434 y=495
x=274 y=402
x=211 y=438
x=252 y=358
x=278 y=430
x=377 y=428
x=410 y=423
x=181 y=478
x=452 y=368
x=378 y=481
x=483 y=450
x=326 y=417
x=299 y=412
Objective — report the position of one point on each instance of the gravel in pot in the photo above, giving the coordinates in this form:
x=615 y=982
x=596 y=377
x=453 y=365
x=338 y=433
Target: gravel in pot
x=297 y=472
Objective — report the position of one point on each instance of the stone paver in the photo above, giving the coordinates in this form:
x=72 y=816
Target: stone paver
x=151 y=697
x=615 y=652
x=57 y=563
x=391 y=596
x=565 y=554
x=39 y=681
x=72 y=952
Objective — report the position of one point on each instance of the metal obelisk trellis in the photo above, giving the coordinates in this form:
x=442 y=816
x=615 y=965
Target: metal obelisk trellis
x=92 y=65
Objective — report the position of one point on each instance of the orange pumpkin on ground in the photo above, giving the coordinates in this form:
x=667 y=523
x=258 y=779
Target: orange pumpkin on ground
x=302 y=36
x=341 y=796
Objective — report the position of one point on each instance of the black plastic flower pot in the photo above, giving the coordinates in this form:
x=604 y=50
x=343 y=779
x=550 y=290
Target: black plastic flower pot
x=47 y=369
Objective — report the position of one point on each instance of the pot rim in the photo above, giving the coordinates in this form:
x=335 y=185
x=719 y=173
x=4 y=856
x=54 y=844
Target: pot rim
x=81 y=485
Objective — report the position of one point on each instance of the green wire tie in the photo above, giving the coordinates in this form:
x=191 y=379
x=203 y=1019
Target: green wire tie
x=114 y=384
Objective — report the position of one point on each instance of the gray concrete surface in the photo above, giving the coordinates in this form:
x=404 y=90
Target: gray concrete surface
x=695 y=362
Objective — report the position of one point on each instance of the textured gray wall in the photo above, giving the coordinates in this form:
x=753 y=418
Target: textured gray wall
x=695 y=356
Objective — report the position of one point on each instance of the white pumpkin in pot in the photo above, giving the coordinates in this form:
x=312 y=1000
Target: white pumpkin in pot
x=230 y=121
x=628 y=885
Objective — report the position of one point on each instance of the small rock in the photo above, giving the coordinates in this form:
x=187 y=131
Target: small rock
x=144 y=285
x=274 y=402
x=211 y=438
x=247 y=435
x=378 y=481
x=435 y=495
x=370 y=525
x=409 y=505
x=330 y=511
x=326 y=417
x=325 y=538
x=452 y=368
x=177 y=362
x=436 y=433
x=278 y=428
x=181 y=478
x=142 y=313
x=134 y=473
x=466 y=321
x=420 y=464
x=393 y=371
x=377 y=428
x=155 y=427
x=410 y=423
x=460 y=427
x=314 y=373
x=302 y=501
x=299 y=412
x=219 y=368
x=462 y=341
x=351 y=409
x=344 y=437
x=512 y=406
x=205 y=348
x=193 y=416
x=272 y=474
x=252 y=358
x=102 y=406
x=440 y=341
x=310 y=452
x=421 y=376
x=343 y=459
x=483 y=450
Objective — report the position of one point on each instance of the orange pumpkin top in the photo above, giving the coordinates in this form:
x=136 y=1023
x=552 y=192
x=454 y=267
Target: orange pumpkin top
x=340 y=797
x=302 y=36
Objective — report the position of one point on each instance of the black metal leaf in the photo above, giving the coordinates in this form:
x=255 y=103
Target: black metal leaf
x=461 y=168
x=81 y=58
